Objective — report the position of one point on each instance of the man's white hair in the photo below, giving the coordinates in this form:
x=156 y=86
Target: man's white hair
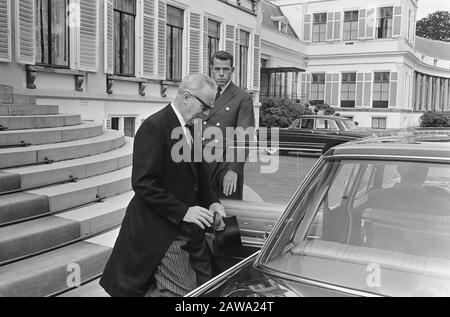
x=196 y=82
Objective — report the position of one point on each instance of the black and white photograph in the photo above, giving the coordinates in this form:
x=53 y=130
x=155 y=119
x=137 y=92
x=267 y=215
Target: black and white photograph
x=224 y=154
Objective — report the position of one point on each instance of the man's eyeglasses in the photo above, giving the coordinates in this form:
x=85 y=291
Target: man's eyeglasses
x=205 y=106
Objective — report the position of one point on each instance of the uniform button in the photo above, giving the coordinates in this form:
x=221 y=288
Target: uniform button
x=212 y=106
x=205 y=123
x=203 y=139
x=227 y=109
x=218 y=124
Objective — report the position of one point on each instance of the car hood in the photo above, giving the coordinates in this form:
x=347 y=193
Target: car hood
x=245 y=280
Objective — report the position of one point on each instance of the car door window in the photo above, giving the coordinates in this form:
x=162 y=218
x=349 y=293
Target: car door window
x=325 y=124
x=307 y=123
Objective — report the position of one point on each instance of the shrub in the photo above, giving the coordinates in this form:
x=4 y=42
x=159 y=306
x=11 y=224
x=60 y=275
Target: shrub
x=435 y=119
x=327 y=109
x=276 y=112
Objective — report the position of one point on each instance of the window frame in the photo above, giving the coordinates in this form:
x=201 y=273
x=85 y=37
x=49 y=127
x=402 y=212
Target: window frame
x=171 y=68
x=244 y=59
x=379 y=120
x=353 y=22
x=320 y=85
x=212 y=38
x=384 y=82
x=385 y=22
x=49 y=46
x=348 y=82
x=322 y=25
x=118 y=57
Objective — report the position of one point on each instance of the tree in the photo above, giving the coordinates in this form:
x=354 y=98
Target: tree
x=435 y=26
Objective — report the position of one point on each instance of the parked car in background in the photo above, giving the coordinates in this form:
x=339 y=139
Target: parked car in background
x=371 y=219
x=312 y=134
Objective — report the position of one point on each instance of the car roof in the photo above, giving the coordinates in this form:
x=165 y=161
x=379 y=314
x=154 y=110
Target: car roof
x=323 y=117
x=406 y=145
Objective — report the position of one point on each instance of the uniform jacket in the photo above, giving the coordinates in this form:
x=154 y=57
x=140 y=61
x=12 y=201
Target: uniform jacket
x=164 y=191
x=234 y=108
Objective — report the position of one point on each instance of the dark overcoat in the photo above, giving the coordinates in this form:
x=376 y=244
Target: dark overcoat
x=164 y=191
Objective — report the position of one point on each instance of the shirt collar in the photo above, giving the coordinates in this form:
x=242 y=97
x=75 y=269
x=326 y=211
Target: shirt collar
x=225 y=88
x=179 y=116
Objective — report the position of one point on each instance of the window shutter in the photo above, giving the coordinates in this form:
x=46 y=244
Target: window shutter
x=108 y=123
x=359 y=89
x=194 y=42
x=370 y=23
x=5 y=31
x=25 y=31
x=162 y=36
x=337 y=26
x=327 y=96
x=257 y=63
x=88 y=35
x=308 y=85
x=205 y=46
x=330 y=23
x=148 y=40
x=236 y=57
x=393 y=90
x=109 y=37
x=229 y=39
x=367 y=89
x=335 y=90
x=397 y=28
x=307 y=28
x=362 y=24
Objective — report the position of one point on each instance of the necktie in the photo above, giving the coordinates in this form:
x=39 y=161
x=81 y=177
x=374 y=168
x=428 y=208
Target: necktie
x=191 y=137
x=219 y=92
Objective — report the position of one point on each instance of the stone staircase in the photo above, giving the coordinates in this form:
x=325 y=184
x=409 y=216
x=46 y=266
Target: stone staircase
x=64 y=187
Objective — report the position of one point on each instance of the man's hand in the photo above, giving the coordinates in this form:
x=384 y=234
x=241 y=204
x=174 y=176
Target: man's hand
x=230 y=183
x=200 y=216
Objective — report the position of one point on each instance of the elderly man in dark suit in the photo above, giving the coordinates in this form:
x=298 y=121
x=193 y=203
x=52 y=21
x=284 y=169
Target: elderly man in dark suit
x=233 y=108
x=161 y=248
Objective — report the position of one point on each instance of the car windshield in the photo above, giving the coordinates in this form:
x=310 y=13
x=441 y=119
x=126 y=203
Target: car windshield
x=380 y=227
x=349 y=125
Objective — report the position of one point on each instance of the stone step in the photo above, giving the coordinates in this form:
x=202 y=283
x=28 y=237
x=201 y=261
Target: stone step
x=63 y=197
x=23 y=99
x=28 y=110
x=21 y=205
x=51 y=135
x=38 y=235
x=57 y=270
x=43 y=175
x=16 y=157
x=92 y=289
x=39 y=122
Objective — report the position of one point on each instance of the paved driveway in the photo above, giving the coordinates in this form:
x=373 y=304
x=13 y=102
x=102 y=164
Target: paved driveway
x=279 y=187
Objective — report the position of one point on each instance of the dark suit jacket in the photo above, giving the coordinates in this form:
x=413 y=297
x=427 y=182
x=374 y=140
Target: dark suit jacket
x=234 y=108
x=164 y=191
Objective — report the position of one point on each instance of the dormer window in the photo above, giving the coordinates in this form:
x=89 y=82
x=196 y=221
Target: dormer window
x=281 y=23
x=283 y=27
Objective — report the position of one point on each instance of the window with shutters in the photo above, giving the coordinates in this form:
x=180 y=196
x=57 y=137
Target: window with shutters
x=348 y=90
x=244 y=44
x=213 y=41
x=381 y=90
x=384 y=22
x=317 y=89
x=175 y=26
x=379 y=122
x=319 y=27
x=124 y=33
x=350 y=25
x=52 y=33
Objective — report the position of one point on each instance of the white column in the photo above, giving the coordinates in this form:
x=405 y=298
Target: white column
x=423 y=93
x=417 y=92
x=437 y=100
x=430 y=93
x=446 y=99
